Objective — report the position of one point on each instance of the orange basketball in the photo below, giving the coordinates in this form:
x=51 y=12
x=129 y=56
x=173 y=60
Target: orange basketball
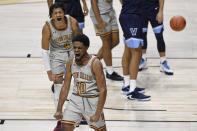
x=177 y=23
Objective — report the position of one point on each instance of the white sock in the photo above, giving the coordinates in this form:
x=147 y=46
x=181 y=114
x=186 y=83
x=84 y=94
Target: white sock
x=126 y=80
x=132 y=85
x=57 y=89
x=162 y=59
x=110 y=69
x=144 y=56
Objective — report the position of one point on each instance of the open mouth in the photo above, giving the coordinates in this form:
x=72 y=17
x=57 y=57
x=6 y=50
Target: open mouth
x=59 y=19
x=77 y=56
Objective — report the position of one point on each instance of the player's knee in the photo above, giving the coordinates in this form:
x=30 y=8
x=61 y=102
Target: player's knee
x=115 y=42
x=107 y=47
x=158 y=29
x=139 y=49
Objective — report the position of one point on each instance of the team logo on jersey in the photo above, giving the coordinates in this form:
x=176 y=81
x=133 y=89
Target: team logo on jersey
x=67 y=45
x=133 y=31
x=109 y=1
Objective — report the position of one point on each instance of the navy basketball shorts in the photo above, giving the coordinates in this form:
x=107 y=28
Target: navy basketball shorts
x=132 y=30
x=150 y=16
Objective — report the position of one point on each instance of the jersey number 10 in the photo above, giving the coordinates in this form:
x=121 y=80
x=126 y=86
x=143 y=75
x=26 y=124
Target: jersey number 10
x=81 y=87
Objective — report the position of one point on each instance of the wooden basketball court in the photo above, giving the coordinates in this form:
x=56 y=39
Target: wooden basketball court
x=26 y=100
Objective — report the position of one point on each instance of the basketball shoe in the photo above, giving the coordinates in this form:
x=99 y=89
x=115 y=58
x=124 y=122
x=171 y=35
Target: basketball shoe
x=137 y=96
x=143 y=64
x=165 y=68
x=114 y=76
x=125 y=90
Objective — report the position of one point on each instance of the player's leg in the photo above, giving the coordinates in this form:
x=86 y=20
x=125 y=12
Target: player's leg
x=106 y=47
x=90 y=106
x=125 y=67
x=115 y=33
x=107 y=56
x=132 y=33
x=135 y=93
x=115 y=42
x=72 y=114
x=143 y=61
x=105 y=50
x=57 y=89
x=158 y=30
x=58 y=68
x=126 y=74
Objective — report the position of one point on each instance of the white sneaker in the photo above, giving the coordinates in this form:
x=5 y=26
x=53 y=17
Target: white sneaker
x=143 y=64
x=165 y=68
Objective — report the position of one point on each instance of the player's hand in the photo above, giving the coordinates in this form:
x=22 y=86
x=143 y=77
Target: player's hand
x=85 y=10
x=50 y=76
x=58 y=115
x=94 y=118
x=100 y=26
x=159 y=17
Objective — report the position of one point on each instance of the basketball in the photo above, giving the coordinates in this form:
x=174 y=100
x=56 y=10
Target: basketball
x=177 y=23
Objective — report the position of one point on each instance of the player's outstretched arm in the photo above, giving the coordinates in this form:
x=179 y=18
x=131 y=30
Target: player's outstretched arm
x=101 y=84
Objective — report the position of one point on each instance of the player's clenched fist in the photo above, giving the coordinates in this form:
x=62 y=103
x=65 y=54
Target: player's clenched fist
x=94 y=118
x=58 y=115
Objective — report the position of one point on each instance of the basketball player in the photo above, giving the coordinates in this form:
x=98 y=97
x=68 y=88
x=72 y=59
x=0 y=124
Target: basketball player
x=104 y=19
x=89 y=92
x=74 y=9
x=154 y=13
x=57 y=47
x=130 y=21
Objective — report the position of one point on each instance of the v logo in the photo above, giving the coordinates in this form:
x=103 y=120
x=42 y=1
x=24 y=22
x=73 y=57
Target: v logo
x=133 y=31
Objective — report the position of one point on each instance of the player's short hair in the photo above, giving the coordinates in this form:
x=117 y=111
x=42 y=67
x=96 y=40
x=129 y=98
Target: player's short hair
x=55 y=6
x=83 y=39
